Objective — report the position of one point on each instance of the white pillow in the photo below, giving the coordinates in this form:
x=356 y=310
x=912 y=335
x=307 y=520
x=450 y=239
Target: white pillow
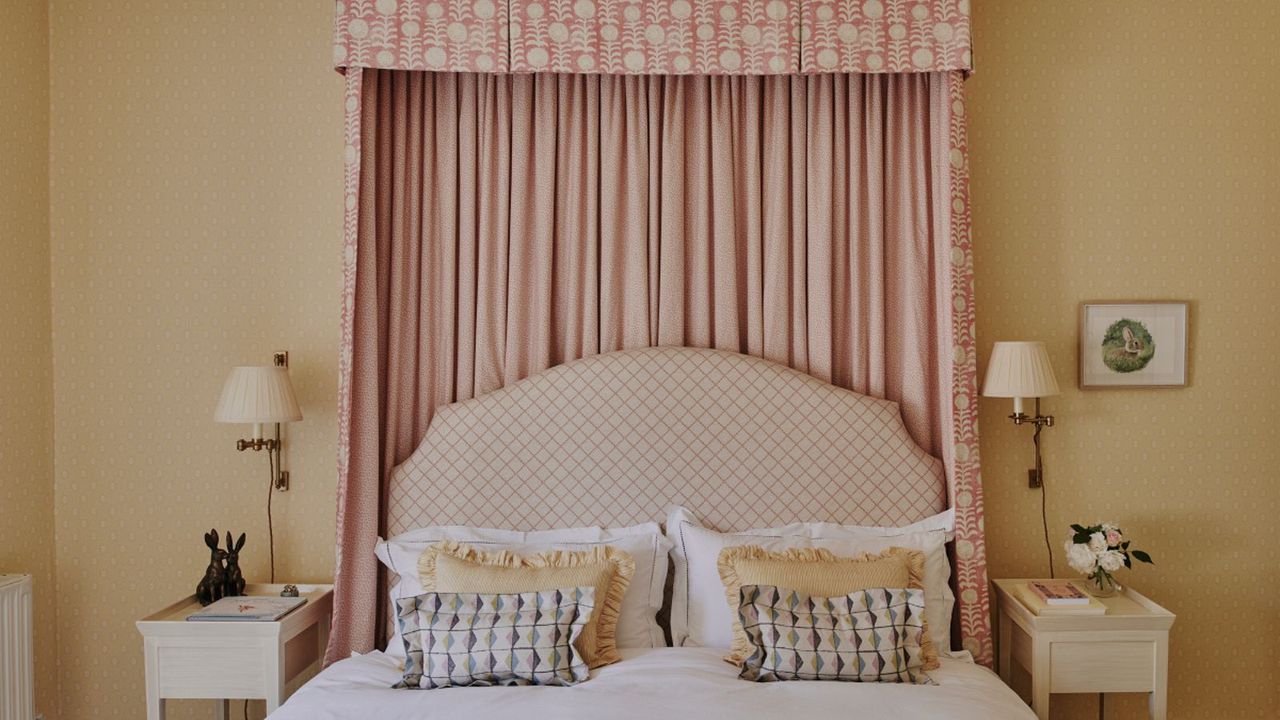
x=701 y=617
x=637 y=625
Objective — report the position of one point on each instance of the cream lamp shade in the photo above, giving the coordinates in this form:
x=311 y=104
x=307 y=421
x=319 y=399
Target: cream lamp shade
x=258 y=395
x=1019 y=370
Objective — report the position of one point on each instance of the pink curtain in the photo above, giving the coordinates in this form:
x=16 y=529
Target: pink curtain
x=508 y=223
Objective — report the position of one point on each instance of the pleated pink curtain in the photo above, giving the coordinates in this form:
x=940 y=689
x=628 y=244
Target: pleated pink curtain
x=508 y=223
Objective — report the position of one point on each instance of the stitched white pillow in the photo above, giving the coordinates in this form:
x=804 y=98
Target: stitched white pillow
x=701 y=617
x=637 y=624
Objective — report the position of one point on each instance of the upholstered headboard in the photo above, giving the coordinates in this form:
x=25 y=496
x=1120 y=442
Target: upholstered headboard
x=620 y=438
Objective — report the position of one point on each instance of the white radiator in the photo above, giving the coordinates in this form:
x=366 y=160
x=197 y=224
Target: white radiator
x=17 y=674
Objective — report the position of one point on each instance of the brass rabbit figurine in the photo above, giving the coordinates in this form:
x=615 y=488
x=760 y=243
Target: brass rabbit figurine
x=213 y=586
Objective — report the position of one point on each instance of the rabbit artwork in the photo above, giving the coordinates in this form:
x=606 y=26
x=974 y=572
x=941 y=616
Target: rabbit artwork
x=1132 y=344
x=212 y=586
x=233 y=584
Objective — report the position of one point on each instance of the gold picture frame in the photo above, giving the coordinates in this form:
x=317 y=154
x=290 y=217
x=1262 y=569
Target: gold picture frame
x=1134 y=344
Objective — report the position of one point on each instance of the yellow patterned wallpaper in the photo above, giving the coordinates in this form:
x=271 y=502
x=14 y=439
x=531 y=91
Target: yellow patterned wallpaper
x=196 y=199
x=26 y=365
x=197 y=219
x=1130 y=150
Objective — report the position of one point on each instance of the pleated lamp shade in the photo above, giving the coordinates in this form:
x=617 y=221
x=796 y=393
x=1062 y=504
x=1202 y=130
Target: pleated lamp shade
x=1019 y=370
x=258 y=395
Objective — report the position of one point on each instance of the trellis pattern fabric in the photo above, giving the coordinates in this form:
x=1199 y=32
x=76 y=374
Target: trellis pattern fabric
x=871 y=635
x=619 y=437
x=654 y=37
x=926 y=129
x=526 y=638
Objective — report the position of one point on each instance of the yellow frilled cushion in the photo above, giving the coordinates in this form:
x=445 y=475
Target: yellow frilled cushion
x=450 y=566
x=819 y=573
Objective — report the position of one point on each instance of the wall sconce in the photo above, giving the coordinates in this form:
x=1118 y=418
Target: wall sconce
x=1022 y=370
x=258 y=395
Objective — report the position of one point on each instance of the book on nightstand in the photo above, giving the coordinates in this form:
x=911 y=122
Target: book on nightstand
x=1039 y=606
x=248 y=608
x=1058 y=592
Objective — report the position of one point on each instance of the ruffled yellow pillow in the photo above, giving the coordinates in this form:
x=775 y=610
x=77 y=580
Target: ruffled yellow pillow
x=449 y=566
x=819 y=573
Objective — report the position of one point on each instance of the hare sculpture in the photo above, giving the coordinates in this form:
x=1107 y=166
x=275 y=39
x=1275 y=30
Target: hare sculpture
x=234 y=580
x=212 y=586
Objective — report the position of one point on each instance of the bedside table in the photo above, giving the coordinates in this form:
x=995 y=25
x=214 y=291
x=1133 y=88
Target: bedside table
x=221 y=660
x=1126 y=650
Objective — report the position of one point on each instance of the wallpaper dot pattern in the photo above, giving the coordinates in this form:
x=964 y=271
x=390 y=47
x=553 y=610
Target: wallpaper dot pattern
x=26 y=371
x=1129 y=151
x=197 y=205
x=1118 y=150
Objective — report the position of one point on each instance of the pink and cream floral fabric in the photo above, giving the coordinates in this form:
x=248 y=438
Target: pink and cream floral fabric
x=961 y=456
x=700 y=37
x=884 y=36
x=440 y=35
x=654 y=37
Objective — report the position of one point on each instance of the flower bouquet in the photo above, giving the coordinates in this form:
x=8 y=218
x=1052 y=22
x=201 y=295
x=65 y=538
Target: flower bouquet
x=1099 y=550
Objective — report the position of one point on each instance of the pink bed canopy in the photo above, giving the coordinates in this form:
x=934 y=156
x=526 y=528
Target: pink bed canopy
x=839 y=69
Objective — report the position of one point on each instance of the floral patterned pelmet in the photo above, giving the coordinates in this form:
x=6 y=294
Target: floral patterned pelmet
x=650 y=37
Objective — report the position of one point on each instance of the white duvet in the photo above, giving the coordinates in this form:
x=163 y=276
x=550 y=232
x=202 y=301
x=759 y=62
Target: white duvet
x=653 y=684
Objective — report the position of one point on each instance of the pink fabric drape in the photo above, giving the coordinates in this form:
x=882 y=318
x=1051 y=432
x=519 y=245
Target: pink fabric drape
x=508 y=223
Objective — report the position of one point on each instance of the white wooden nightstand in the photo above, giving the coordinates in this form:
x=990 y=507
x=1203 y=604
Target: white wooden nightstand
x=221 y=660
x=1126 y=650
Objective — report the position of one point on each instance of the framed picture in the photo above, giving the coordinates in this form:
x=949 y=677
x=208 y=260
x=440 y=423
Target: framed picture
x=1133 y=344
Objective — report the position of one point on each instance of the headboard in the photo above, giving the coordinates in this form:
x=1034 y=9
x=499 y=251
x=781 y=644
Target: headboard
x=620 y=438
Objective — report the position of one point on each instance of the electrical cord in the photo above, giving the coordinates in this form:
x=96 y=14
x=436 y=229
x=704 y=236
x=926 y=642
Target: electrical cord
x=1044 y=518
x=271 y=537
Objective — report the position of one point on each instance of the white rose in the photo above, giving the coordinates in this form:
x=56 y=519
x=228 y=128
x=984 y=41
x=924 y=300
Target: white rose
x=1098 y=542
x=1111 y=561
x=1081 y=558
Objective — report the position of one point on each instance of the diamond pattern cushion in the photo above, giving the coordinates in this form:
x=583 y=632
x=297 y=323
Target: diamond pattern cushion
x=494 y=639
x=871 y=635
x=449 y=566
x=819 y=572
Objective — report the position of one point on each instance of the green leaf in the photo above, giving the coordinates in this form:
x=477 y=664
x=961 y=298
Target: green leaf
x=1078 y=528
x=1080 y=538
x=1126 y=561
x=1141 y=556
x=1125 y=545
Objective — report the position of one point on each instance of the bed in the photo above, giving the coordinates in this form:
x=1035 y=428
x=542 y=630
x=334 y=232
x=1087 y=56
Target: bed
x=620 y=439
x=675 y=683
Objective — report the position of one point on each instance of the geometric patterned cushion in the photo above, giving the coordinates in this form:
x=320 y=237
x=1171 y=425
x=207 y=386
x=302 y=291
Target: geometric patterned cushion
x=870 y=635
x=454 y=639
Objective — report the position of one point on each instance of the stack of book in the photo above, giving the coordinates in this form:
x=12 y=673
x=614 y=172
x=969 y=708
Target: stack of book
x=1058 y=597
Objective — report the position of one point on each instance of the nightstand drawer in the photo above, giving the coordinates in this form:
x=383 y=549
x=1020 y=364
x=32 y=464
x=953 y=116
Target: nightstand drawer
x=1080 y=667
x=202 y=671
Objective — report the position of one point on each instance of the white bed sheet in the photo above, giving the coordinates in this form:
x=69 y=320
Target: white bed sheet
x=654 y=684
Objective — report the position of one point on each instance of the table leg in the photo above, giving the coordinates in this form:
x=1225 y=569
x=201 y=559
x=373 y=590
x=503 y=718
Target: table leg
x=221 y=709
x=1005 y=640
x=1157 y=704
x=1040 y=679
x=155 y=703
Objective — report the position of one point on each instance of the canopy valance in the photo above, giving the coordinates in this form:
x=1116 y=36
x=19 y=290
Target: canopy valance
x=654 y=37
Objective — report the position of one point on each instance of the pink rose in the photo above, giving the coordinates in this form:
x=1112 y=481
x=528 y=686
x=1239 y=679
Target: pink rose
x=1114 y=538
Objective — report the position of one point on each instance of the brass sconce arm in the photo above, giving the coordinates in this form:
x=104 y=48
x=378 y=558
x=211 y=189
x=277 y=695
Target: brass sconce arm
x=269 y=444
x=1035 y=477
